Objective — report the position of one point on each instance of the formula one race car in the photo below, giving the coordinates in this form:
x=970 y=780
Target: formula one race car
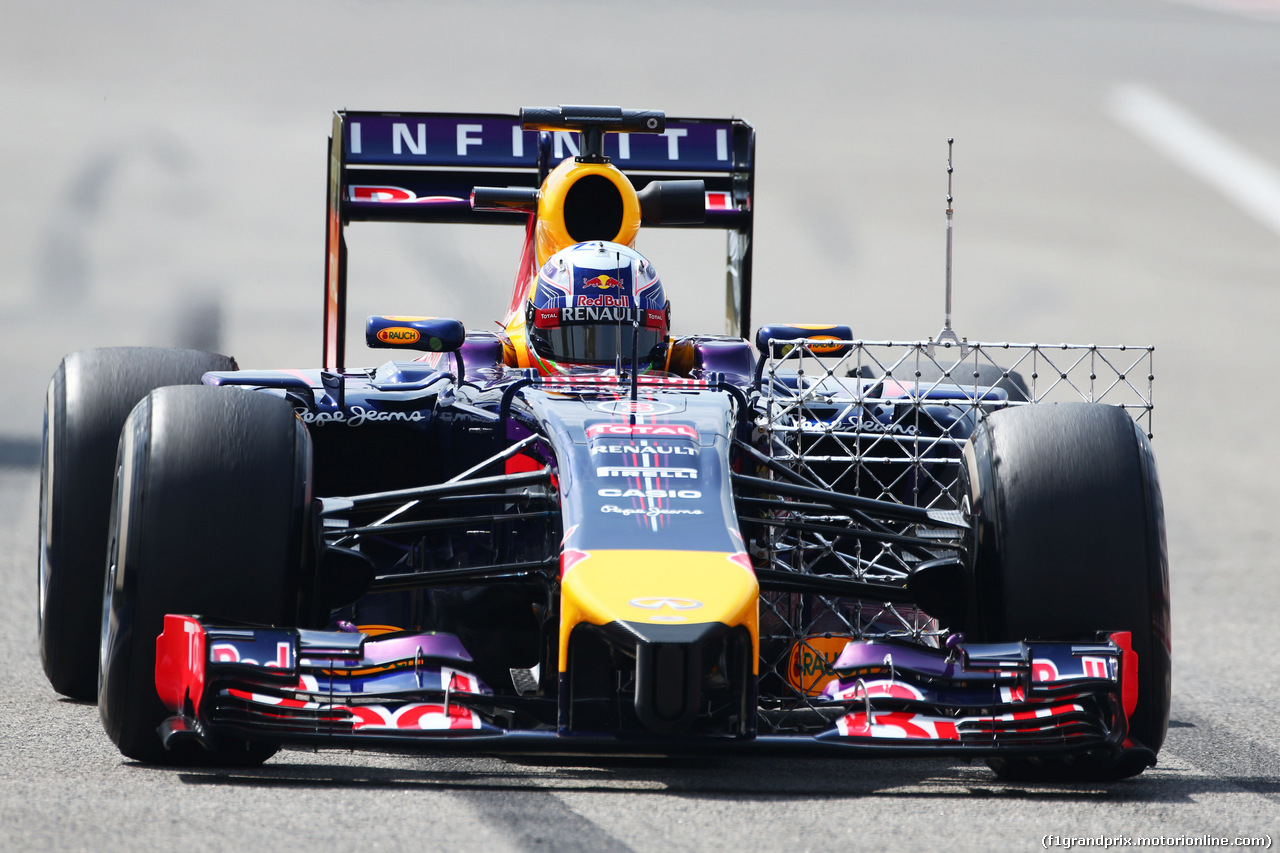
x=583 y=533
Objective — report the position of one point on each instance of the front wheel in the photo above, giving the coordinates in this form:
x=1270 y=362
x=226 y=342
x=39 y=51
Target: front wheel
x=211 y=495
x=90 y=395
x=1069 y=533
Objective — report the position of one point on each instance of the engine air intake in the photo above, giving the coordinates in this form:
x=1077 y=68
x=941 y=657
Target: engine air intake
x=593 y=209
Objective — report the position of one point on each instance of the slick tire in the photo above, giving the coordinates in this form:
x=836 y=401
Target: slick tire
x=211 y=496
x=1069 y=530
x=89 y=397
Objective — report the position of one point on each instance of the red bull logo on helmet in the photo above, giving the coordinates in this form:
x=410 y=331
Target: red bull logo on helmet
x=607 y=292
x=603 y=282
x=601 y=289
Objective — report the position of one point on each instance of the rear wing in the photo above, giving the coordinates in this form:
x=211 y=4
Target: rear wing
x=422 y=167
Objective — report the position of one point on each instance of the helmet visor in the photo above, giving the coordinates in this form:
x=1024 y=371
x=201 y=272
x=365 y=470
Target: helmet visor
x=599 y=343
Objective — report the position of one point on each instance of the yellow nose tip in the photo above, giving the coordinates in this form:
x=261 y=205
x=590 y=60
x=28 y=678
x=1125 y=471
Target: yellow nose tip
x=658 y=588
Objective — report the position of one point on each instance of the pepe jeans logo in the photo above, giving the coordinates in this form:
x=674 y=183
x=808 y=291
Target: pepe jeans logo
x=648 y=512
x=864 y=425
x=356 y=416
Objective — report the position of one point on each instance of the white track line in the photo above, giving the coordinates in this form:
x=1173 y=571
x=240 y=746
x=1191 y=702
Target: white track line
x=1254 y=10
x=1249 y=181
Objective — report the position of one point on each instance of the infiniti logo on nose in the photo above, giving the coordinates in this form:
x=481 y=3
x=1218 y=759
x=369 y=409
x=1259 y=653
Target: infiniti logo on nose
x=659 y=603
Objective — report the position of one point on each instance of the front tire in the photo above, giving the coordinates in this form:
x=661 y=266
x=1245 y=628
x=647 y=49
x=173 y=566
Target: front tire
x=212 y=494
x=89 y=397
x=1070 y=541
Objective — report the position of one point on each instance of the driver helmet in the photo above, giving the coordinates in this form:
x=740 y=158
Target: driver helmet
x=591 y=302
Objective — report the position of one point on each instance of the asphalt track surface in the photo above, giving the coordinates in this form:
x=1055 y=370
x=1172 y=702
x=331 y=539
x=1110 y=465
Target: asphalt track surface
x=1116 y=182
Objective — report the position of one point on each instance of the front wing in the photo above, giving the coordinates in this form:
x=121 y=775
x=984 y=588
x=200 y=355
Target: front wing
x=346 y=689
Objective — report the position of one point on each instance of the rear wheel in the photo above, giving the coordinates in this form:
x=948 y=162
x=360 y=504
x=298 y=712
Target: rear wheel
x=984 y=375
x=89 y=397
x=1069 y=528
x=212 y=491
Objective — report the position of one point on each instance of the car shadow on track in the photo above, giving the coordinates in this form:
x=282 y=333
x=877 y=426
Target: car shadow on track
x=770 y=779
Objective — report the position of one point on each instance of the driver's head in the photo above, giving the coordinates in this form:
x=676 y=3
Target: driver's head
x=586 y=302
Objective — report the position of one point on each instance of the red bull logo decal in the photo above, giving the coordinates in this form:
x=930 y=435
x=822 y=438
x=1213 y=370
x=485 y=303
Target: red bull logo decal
x=604 y=300
x=603 y=282
x=607 y=290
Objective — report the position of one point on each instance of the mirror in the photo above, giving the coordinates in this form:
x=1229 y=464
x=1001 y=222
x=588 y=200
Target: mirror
x=427 y=334
x=816 y=334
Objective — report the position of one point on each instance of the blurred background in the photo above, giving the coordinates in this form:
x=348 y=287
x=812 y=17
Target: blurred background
x=164 y=170
x=1117 y=181
x=164 y=167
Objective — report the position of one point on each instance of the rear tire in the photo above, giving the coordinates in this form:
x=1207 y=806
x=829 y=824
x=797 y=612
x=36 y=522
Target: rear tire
x=89 y=397
x=212 y=494
x=988 y=376
x=1069 y=533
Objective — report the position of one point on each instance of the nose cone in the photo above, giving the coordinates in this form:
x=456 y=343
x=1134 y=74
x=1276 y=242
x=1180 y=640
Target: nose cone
x=648 y=590
x=689 y=617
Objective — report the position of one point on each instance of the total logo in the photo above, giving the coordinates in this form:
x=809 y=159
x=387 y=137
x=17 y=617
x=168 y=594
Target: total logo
x=661 y=430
